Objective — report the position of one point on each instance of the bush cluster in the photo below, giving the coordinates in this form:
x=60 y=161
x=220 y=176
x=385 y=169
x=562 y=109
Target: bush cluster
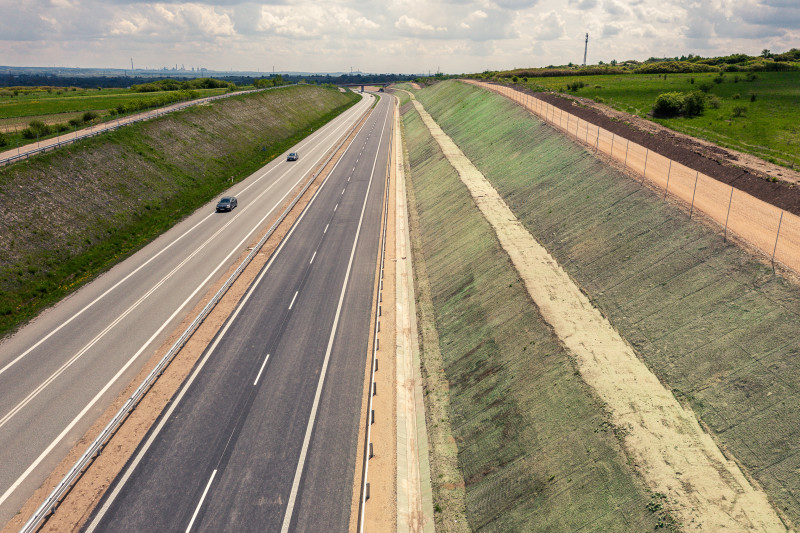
x=675 y=103
x=159 y=101
x=37 y=129
x=175 y=85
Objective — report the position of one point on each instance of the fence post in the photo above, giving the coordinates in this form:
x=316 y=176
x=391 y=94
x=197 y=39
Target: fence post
x=691 y=210
x=627 y=142
x=644 y=173
x=669 y=171
x=775 y=248
x=730 y=200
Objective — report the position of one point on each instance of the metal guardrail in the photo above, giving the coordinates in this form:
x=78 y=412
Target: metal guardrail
x=364 y=496
x=111 y=127
x=52 y=501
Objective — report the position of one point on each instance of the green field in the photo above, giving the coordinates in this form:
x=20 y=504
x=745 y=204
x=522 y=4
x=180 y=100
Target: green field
x=59 y=105
x=91 y=204
x=768 y=127
x=716 y=326
x=536 y=451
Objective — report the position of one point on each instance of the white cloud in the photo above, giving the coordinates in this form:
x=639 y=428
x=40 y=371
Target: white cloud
x=551 y=27
x=415 y=25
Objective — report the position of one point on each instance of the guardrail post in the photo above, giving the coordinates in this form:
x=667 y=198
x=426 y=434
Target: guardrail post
x=691 y=210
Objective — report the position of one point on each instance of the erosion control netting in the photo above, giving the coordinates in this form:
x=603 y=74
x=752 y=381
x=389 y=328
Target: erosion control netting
x=535 y=447
x=715 y=325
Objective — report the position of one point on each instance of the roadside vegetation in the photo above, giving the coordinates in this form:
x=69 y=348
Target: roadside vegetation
x=28 y=114
x=70 y=214
x=738 y=101
x=535 y=449
x=715 y=325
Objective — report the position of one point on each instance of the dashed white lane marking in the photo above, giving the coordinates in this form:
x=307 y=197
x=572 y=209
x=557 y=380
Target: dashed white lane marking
x=326 y=228
x=336 y=207
x=260 y=370
x=293 y=299
x=312 y=257
x=200 y=503
x=342 y=191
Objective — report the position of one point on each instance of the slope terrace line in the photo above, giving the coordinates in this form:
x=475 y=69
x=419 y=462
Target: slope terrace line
x=674 y=455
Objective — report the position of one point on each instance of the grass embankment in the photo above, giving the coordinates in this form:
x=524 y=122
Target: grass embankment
x=766 y=127
x=70 y=214
x=717 y=327
x=56 y=108
x=535 y=449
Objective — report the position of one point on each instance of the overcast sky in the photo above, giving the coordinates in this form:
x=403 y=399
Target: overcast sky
x=399 y=36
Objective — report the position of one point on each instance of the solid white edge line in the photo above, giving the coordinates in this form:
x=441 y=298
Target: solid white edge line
x=204 y=360
x=287 y=519
x=260 y=370
x=200 y=503
x=293 y=299
x=120 y=282
x=108 y=385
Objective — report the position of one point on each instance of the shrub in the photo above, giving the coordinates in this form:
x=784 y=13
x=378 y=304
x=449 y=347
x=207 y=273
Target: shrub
x=694 y=104
x=718 y=79
x=714 y=102
x=739 y=110
x=736 y=96
x=668 y=104
x=3 y=139
x=691 y=80
x=36 y=128
x=705 y=86
x=751 y=76
x=752 y=97
x=575 y=86
x=515 y=79
x=89 y=116
x=75 y=122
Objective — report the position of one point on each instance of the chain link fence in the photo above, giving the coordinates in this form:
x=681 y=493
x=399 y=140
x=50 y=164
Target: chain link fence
x=768 y=228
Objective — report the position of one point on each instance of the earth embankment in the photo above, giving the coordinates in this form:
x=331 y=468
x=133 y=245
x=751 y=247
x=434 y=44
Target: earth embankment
x=534 y=449
x=70 y=214
x=715 y=325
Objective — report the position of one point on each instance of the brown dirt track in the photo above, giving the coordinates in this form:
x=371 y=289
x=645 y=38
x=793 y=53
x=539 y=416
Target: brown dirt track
x=742 y=171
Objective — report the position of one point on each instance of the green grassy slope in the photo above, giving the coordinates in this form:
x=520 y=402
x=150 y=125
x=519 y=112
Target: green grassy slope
x=716 y=326
x=767 y=127
x=70 y=214
x=535 y=449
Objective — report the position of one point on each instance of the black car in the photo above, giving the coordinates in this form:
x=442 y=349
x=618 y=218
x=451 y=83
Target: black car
x=227 y=204
x=292 y=157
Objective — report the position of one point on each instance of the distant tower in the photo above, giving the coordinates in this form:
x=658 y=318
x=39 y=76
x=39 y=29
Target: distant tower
x=131 y=63
x=585 y=49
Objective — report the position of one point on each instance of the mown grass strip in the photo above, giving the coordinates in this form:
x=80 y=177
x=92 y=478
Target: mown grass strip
x=72 y=214
x=534 y=447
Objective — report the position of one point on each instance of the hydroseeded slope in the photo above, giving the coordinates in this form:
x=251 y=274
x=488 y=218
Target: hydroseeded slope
x=535 y=448
x=716 y=327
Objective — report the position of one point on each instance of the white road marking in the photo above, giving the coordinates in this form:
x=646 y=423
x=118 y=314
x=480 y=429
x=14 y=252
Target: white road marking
x=200 y=503
x=200 y=366
x=335 y=207
x=287 y=519
x=326 y=228
x=312 y=257
x=293 y=299
x=260 y=370
x=342 y=191
x=108 y=385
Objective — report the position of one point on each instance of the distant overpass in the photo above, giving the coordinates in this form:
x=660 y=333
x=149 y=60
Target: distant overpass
x=365 y=84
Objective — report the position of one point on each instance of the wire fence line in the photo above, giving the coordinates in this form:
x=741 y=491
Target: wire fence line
x=771 y=230
x=25 y=152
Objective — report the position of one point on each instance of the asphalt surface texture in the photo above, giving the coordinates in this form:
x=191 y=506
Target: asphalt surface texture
x=59 y=373
x=263 y=435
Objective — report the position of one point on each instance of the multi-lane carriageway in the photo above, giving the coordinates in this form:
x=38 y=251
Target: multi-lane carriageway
x=263 y=433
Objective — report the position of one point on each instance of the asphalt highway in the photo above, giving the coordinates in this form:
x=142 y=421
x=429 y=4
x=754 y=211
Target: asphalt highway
x=60 y=372
x=263 y=435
